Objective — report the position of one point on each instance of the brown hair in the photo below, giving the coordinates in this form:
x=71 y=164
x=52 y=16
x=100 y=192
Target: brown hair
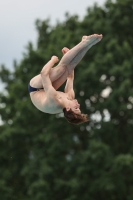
x=75 y=118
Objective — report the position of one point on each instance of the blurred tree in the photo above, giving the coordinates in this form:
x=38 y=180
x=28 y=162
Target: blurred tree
x=44 y=157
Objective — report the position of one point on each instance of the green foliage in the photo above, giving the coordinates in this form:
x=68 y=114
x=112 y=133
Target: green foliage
x=44 y=157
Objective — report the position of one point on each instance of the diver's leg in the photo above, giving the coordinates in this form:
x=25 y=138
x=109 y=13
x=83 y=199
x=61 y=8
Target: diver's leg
x=74 y=56
x=71 y=58
x=80 y=49
x=57 y=83
x=37 y=80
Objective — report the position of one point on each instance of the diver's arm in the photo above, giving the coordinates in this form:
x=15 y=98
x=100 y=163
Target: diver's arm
x=69 y=86
x=47 y=84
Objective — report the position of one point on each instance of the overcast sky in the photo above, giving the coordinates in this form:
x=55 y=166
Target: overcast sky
x=17 y=22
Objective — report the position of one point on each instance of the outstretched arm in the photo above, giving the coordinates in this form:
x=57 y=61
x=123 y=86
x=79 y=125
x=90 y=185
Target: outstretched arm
x=69 y=86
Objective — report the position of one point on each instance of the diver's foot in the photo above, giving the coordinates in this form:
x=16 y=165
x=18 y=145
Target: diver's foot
x=65 y=50
x=92 y=39
x=54 y=59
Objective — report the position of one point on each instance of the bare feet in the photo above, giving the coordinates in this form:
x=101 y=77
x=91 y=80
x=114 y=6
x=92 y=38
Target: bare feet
x=54 y=59
x=65 y=50
x=92 y=39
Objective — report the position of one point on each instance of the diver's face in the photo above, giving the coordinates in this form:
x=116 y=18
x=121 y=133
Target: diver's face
x=75 y=106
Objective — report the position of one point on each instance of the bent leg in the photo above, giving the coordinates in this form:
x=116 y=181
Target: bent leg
x=73 y=57
x=37 y=80
x=57 y=83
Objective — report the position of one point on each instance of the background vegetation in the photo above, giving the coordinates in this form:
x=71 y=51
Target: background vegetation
x=44 y=157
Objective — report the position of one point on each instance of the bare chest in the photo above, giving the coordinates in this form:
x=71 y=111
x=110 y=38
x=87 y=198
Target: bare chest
x=51 y=104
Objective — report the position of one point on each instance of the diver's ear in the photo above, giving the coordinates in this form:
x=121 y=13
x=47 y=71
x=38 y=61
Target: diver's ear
x=67 y=108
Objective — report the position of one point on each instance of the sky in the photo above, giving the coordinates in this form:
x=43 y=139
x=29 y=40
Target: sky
x=17 y=22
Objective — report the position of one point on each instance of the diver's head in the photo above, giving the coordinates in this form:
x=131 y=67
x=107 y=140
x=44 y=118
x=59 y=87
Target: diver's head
x=75 y=116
